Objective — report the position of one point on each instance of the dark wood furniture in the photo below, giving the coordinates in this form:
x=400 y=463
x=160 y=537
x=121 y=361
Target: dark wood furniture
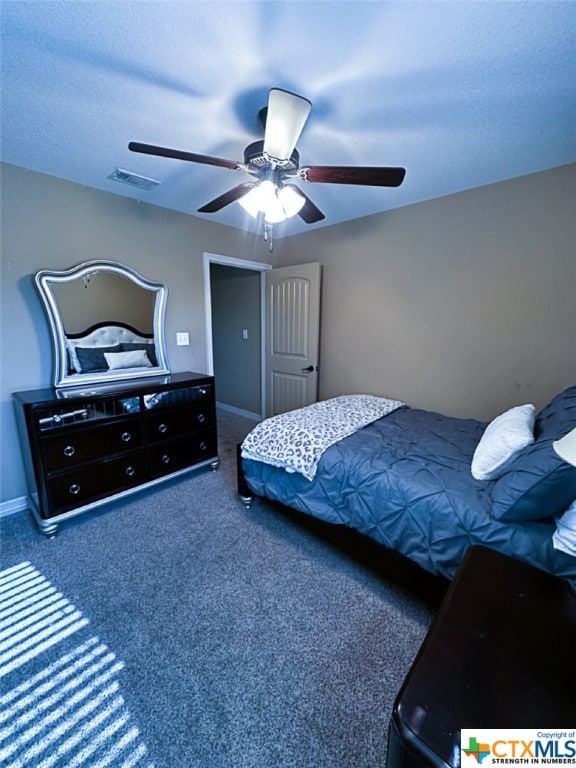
x=84 y=447
x=499 y=654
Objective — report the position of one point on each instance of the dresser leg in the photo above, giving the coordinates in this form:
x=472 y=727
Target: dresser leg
x=214 y=465
x=49 y=529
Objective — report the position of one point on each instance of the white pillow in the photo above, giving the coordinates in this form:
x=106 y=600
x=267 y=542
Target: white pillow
x=503 y=438
x=73 y=358
x=564 y=537
x=136 y=358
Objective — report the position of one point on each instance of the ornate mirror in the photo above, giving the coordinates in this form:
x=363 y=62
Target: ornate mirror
x=107 y=323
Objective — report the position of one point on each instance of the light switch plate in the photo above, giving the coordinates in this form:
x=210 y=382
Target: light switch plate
x=182 y=339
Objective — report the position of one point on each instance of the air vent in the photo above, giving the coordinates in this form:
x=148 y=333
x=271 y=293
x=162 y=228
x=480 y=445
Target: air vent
x=127 y=177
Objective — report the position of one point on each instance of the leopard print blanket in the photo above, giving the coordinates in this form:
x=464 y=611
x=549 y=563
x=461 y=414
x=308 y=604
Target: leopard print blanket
x=297 y=439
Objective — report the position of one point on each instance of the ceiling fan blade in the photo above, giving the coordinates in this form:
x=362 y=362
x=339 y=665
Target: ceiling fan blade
x=285 y=119
x=228 y=197
x=178 y=154
x=342 y=174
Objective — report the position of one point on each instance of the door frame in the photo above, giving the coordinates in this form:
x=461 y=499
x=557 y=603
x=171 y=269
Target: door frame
x=231 y=261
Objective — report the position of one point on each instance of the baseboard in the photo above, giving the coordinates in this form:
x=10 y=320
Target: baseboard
x=12 y=506
x=239 y=412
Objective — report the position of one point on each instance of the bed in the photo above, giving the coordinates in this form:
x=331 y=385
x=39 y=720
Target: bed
x=405 y=480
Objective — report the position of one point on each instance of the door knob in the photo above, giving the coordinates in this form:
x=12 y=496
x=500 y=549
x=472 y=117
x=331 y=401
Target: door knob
x=310 y=369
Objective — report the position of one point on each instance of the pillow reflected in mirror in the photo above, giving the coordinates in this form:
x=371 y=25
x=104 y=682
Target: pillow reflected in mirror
x=91 y=359
x=137 y=358
x=148 y=348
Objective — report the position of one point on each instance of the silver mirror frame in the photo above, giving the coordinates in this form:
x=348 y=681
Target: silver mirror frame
x=45 y=279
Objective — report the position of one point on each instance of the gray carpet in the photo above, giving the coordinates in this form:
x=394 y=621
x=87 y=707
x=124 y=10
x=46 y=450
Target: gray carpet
x=180 y=630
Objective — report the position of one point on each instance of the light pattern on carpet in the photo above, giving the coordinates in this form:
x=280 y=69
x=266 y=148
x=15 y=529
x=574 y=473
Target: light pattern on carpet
x=68 y=712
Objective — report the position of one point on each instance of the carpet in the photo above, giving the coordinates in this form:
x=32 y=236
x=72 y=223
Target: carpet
x=177 y=629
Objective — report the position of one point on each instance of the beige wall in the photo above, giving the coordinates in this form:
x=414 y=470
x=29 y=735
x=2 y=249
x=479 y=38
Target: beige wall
x=464 y=305
x=237 y=361
x=101 y=297
x=48 y=223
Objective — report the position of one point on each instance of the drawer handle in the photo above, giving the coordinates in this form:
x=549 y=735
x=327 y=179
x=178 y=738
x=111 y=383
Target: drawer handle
x=201 y=418
x=69 y=450
x=203 y=446
x=165 y=459
x=130 y=471
x=126 y=437
x=74 y=489
x=162 y=428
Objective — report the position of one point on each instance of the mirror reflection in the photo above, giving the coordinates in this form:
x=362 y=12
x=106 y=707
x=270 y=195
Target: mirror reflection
x=107 y=323
x=103 y=295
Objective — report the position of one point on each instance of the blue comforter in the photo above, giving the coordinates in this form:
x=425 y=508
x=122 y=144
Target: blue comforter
x=405 y=481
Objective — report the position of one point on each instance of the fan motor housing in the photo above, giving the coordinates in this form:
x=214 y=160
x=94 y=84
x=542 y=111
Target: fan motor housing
x=255 y=158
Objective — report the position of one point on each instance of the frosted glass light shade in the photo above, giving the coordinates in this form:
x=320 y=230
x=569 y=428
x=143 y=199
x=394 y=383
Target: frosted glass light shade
x=260 y=198
x=274 y=211
x=292 y=201
x=276 y=204
x=251 y=202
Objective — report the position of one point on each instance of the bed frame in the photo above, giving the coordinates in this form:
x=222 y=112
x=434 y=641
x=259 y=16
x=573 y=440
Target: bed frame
x=386 y=562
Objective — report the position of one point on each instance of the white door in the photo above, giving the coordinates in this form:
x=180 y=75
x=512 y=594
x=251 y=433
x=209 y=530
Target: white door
x=292 y=323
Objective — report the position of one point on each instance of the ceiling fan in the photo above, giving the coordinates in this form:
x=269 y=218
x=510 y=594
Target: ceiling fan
x=274 y=163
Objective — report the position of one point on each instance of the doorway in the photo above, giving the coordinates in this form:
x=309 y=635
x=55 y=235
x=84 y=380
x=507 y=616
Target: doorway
x=262 y=334
x=234 y=300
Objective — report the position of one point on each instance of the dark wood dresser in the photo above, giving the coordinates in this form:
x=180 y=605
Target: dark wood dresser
x=85 y=447
x=499 y=654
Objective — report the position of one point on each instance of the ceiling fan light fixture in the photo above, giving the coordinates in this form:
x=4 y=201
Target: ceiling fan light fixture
x=275 y=212
x=251 y=202
x=261 y=198
x=292 y=201
x=265 y=198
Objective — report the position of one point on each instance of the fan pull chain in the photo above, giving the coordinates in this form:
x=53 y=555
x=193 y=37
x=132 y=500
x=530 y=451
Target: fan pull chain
x=268 y=236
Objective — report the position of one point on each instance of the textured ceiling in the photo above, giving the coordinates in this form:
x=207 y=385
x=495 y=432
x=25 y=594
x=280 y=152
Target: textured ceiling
x=461 y=94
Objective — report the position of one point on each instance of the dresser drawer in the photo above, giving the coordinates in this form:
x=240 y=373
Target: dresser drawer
x=63 y=414
x=179 y=398
x=82 y=486
x=74 y=447
x=178 y=454
x=172 y=424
